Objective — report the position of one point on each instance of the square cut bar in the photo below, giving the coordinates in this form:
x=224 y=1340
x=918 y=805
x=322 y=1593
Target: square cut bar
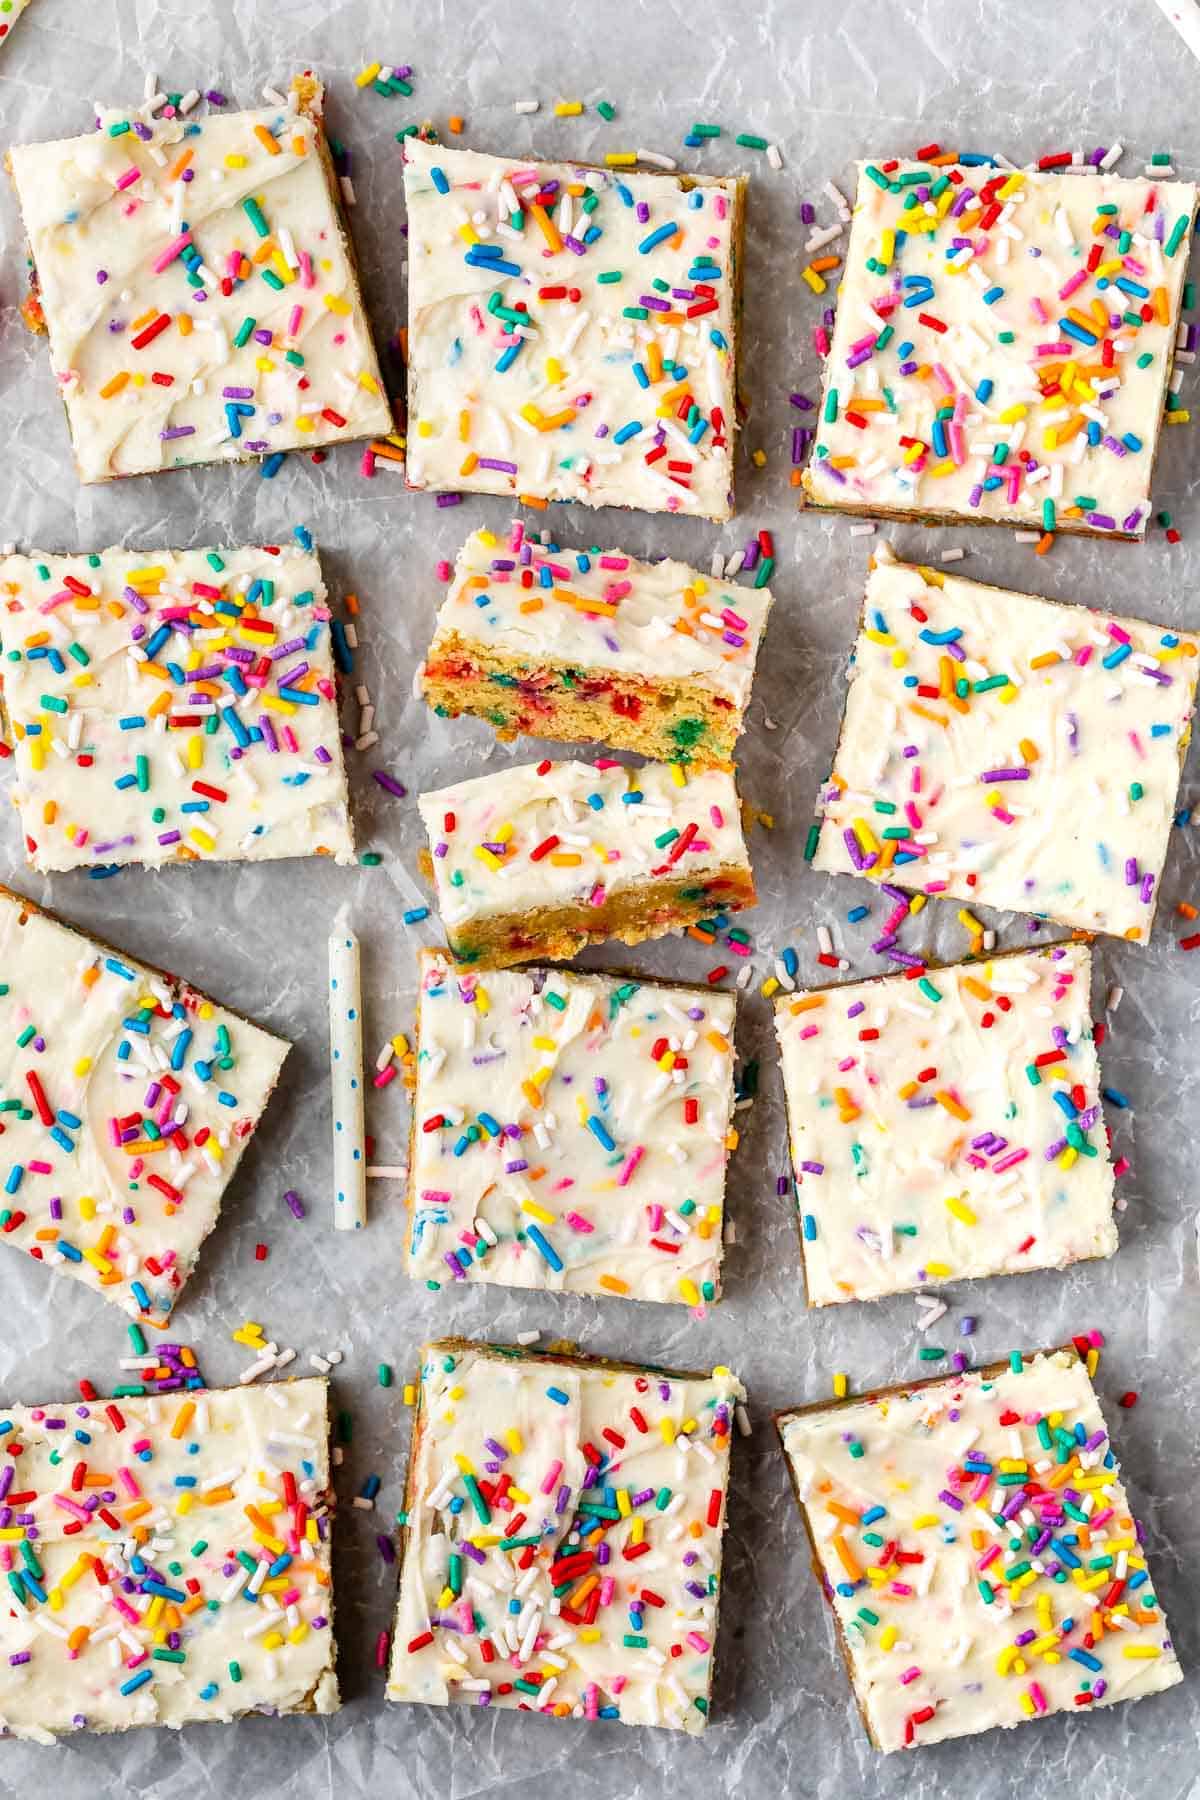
x=1009 y=751
x=570 y=1132
x=947 y=1127
x=127 y=1101
x=976 y=1545
x=573 y=331
x=562 y=1536
x=168 y=1560
x=541 y=859
x=1003 y=346
x=198 y=288
x=595 y=645
x=170 y=706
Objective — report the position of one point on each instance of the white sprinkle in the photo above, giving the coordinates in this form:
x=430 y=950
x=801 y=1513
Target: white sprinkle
x=526 y=106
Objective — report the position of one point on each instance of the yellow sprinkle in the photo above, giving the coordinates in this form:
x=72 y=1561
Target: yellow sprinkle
x=568 y=109
x=841 y=1385
x=366 y=76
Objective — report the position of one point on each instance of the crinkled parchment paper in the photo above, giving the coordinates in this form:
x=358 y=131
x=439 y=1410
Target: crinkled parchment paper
x=827 y=84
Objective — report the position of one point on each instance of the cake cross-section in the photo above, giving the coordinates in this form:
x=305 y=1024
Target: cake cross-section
x=570 y=1132
x=1009 y=750
x=541 y=859
x=572 y=331
x=946 y=1127
x=128 y=1099
x=198 y=287
x=561 y=1536
x=1003 y=346
x=167 y=1559
x=977 y=1547
x=594 y=646
x=169 y=706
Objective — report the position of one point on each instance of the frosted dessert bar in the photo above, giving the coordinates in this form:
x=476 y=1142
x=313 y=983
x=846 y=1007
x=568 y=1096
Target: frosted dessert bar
x=541 y=859
x=197 y=286
x=595 y=646
x=572 y=332
x=570 y=1132
x=128 y=1099
x=169 y=706
x=168 y=1560
x=976 y=1545
x=561 y=1536
x=946 y=1127
x=1009 y=750
x=1003 y=346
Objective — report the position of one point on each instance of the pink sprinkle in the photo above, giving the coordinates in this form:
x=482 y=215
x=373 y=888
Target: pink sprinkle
x=1076 y=281
x=578 y=1223
x=717 y=817
x=910 y=1675
x=630 y=1164
x=551 y=1476
x=307 y=278
x=697 y=1643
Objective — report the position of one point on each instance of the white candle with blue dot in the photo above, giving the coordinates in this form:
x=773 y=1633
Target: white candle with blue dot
x=346 y=1071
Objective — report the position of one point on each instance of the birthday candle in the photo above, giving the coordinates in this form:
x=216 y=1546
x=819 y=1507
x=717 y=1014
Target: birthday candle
x=346 y=1075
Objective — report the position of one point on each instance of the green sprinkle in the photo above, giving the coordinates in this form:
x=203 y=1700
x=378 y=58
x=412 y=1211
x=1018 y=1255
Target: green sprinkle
x=254 y=213
x=706 y=131
x=385 y=1375
x=748 y=141
x=606 y=109
x=371 y=859
x=927 y=988
x=931 y=1353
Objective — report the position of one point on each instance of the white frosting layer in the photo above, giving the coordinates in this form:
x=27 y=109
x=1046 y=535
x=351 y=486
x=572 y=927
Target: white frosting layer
x=1052 y=793
x=928 y=1135
x=545 y=407
x=604 y=610
x=484 y=864
x=174 y=1490
x=970 y=1627
x=127 y=1100
x=115 y=221
x=115 y=669
x=1009 y=315
x=594 y=1110
x=611 y=1481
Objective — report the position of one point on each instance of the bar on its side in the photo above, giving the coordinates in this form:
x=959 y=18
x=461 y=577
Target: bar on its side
x=541 y=859
x=595 y=646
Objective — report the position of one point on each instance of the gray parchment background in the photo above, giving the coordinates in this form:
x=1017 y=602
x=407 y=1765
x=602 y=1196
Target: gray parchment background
x=828 y=83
